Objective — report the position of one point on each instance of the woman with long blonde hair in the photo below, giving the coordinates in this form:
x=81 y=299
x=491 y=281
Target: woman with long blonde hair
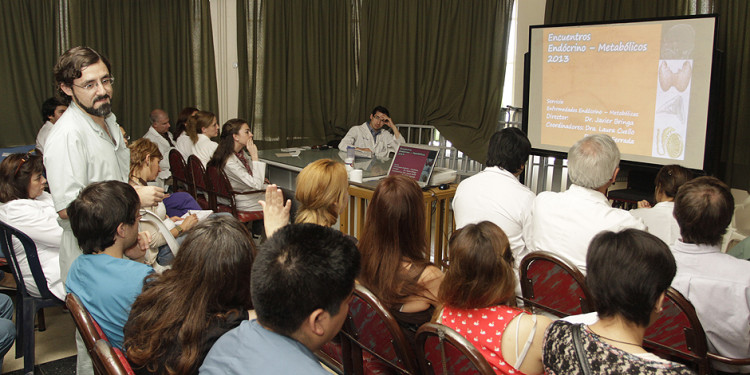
x=323 y=192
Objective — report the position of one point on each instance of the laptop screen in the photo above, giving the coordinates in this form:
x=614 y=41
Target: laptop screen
x=415 y=161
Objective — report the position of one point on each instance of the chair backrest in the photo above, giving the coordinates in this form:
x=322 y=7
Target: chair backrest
x=443 y=351
x=88 y=329
x=199 y=182
x=112 y=359
x=7 y=236
x=219 y=187
x=677 y=333
x=374 y=332
x=553 y=284
x=180 y=172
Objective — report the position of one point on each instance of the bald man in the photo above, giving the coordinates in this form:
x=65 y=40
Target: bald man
x=159 y=134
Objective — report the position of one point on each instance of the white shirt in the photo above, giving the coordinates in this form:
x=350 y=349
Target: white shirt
x=660 y=221
x=242 y=181
x=41 y=137
x=184 y=145
x=164 y=147
x=564 y=223
x=37 y=218
x=360 y=136
x=495 y=195
x=78 y=152
x=718 y=286
x=204 y=148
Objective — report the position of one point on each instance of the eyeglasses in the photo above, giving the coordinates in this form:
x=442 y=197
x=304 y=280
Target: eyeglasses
x=24 y=159
x=92 y=85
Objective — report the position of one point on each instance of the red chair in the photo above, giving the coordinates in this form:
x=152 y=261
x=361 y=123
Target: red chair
x=443 y=351
x=112 y=359
x=200 y=186
x=220 y=189
x=553 y=284
x=378 y=346
x=678 y=335
x=181 y=178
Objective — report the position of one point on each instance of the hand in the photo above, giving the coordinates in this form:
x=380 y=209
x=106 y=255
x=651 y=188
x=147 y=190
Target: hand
x=644 y=204
x=364 y=149
x=189 y=222
x=252 y=149
x=149 y=195
x=275 y=210
x=175 y=218
x=139 y=249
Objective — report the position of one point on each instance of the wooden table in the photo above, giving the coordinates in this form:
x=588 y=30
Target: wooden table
x=438 y=215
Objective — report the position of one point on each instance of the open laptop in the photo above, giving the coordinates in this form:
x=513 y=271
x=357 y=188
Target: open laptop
x=411 y=160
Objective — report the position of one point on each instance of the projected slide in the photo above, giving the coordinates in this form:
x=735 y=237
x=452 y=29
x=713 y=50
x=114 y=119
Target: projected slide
x=633 y=81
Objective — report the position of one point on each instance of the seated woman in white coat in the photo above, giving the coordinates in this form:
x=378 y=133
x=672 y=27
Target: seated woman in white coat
x=28 y=208
x=237 y=155
x=182 y=141
x=659 y=219
x=201 y=127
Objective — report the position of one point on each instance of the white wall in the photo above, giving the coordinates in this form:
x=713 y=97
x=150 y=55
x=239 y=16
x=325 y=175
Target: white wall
x=530 y=12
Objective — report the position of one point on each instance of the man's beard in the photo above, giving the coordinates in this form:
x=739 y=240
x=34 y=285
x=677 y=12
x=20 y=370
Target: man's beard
x=103 y=111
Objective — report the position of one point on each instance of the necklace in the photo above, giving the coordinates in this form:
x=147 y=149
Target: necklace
x=607 y=338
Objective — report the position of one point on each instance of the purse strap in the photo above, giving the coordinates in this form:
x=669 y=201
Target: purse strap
x=580 y=353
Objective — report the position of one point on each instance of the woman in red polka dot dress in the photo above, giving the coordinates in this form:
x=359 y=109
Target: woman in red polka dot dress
x=478 y=298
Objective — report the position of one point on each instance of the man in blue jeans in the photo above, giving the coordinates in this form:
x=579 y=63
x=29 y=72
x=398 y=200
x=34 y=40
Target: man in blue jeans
x=7 y=328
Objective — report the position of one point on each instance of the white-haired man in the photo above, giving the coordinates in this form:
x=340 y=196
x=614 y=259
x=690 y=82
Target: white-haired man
x=564 y=223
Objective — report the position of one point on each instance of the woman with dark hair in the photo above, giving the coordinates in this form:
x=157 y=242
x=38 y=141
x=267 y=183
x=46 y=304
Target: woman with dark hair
x=659 y=219
x=628 y=273
x=182 y=141
x=182 y=312
x=479 y=301
x=237 y=155
x=322 y=192
x=28 y=208
x=395 y=254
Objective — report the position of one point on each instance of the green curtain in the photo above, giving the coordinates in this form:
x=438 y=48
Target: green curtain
x=28 y=53
x=161 y=53
x=733 y=39
x=326 y=64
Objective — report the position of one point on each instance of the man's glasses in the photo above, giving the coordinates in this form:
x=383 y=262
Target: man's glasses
x=91 y=85
x=24 y=159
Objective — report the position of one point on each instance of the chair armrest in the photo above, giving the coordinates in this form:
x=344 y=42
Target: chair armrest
x=727 y=360
x=248 y=192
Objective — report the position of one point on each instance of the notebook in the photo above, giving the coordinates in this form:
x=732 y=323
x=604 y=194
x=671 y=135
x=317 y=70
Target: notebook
x=412 y=160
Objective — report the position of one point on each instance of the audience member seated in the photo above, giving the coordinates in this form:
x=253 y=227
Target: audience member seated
x=201 y=127
x=144 y=167
x=322 y=192
x=104 y=219
x=660 y=219
x=717 y=284
x=479 y=301
x=244 y=171
x=7 y=327
x=182 y=312
x=564 y=223
x=159 y=133
x=495 y=194
x=28 y=208
x=628 y=275
x=302 y=282
x=370 y=136
x=52 y=109
x=395 y=255
x=182 y=142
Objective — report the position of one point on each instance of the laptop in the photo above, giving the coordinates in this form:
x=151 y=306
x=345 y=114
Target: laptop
x=411 y=160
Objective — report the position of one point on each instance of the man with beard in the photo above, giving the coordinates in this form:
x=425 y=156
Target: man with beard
x=85 y=144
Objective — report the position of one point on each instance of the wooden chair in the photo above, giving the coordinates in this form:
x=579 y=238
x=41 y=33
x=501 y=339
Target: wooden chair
x=88 y=329
x=112 y=359
x=443 y=351
x=200 y=186
x=678 y=335
x=377 y=343
x=27 y=306
x=219 y=187
x=181 y=177
x=553 y=284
